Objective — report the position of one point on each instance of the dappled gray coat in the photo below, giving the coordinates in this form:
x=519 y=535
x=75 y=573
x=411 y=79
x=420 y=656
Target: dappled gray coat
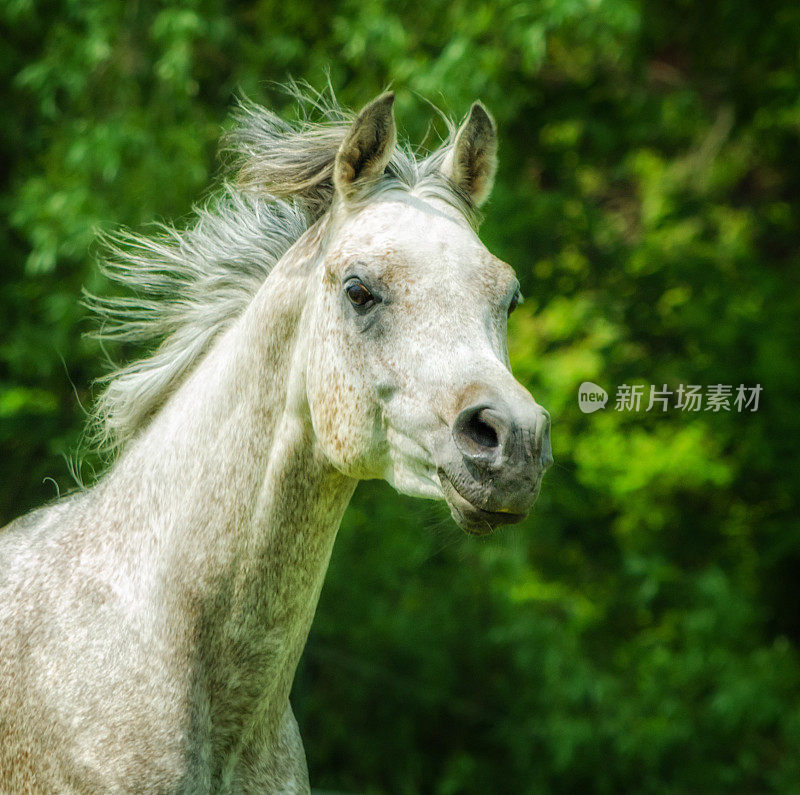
x=332 y=318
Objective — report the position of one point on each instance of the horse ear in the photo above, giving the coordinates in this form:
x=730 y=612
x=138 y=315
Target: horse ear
x=471 y=162
x=368 y=146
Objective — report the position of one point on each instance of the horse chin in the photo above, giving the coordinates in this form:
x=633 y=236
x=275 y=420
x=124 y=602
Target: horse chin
x=469 y=517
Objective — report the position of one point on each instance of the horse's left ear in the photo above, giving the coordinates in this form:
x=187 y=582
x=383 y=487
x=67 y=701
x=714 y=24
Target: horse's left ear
x=471 y=162
x=367 y=147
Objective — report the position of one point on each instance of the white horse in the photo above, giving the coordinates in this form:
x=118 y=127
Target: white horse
x=334 y=317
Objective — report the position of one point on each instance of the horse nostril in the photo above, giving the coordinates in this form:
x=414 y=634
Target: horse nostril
x=478 y=432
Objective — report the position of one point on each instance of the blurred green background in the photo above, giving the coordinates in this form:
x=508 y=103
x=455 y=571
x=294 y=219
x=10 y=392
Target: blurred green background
x=639 y=633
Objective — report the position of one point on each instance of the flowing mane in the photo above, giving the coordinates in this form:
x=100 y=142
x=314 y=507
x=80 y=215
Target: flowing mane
x=187 y=285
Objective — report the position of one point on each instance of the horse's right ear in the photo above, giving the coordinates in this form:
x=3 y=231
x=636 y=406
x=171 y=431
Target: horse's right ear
x=367 y=147
x=471 y=162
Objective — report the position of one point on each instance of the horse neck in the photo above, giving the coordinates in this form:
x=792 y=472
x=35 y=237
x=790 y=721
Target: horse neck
x=239 y=506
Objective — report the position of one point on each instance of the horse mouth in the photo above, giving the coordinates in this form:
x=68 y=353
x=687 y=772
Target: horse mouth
x=469 y=517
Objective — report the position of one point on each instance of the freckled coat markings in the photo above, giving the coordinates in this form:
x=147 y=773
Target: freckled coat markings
x=150 y=626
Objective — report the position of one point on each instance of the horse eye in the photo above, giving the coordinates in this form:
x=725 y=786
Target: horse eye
x=514 y=302
x=358 y=294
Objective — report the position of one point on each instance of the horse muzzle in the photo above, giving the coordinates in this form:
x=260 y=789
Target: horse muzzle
x=499 y=453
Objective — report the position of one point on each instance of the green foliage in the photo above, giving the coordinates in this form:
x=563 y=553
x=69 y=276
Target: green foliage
x=640 y=632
